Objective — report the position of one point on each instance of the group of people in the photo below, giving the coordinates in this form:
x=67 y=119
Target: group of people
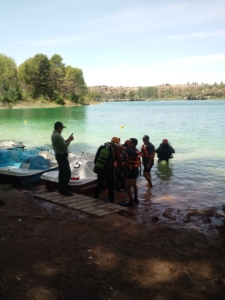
x=117 y=164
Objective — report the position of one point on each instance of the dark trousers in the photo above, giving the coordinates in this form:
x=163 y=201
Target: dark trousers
x=120 y=178
x=109 y=178
x=64 y=172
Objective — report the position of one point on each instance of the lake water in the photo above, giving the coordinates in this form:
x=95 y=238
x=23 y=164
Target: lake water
x=195 y=178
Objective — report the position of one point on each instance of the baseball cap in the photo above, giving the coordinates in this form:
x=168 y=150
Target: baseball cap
x=115 y=140
x=145 y=137
x=165 y=141
x=59 y=124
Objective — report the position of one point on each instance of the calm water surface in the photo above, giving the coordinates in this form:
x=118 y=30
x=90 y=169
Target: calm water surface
x=195 y=178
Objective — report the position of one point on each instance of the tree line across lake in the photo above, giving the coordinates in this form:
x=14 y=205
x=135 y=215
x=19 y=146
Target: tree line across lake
x=39 y=77
x=189 y=91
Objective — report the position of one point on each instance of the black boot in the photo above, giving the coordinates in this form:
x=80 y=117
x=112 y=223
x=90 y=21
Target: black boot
x=128 y=204
x=66 y=193
x=136 y=199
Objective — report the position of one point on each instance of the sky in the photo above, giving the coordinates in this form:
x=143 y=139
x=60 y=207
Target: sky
x=121 y=42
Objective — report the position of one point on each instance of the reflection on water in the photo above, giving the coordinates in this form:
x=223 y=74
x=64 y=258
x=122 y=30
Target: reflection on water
x=164 y=170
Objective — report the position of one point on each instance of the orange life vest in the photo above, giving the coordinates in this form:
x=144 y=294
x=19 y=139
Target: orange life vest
x=144 y=151
x=133 y=162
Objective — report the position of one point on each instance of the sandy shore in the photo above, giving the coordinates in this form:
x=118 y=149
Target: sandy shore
x=51 y=252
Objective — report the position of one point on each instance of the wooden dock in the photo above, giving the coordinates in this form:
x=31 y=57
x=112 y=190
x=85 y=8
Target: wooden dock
x=83 y=203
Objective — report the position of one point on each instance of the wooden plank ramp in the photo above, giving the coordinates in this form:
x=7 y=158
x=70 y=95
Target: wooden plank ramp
x=83 y=203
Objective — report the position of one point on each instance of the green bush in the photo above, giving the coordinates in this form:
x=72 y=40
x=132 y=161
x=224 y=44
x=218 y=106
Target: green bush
x=191 y=97
x=12 y=94
x=59 y=100
x=73 y=97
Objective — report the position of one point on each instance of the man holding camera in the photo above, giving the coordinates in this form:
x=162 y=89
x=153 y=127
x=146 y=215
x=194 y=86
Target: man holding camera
x=60 y=147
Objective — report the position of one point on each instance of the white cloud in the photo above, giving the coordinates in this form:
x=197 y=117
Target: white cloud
x=173 y=71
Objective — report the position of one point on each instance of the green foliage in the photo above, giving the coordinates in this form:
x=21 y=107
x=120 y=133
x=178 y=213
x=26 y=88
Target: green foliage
x=34 y=75
x=9 y=86
x=73 y=97
x=49 y=78
x=8 y=71
x=74 y=82
x=149 y=92
x=82 y=101
x=131 y=95
x=94 y=96
x=12 y=94
x=59 y=100
x=122 y=95
x=191 y=97
x=56 y=61
x=57 y=73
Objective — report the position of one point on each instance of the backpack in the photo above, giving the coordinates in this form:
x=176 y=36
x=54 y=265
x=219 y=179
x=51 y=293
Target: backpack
x=103 y=158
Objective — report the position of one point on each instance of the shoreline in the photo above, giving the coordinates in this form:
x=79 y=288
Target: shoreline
x=46 y=104
x=209 y=219
x=42 y=104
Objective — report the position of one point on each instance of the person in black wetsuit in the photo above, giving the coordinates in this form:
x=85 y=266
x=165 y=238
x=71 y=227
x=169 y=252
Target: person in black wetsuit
x=165 y=151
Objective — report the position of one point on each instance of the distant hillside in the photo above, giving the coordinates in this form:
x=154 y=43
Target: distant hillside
x=190 y=91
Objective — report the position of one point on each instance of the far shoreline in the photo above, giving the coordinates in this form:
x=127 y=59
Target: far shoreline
x=42 y=104
x=46 y=104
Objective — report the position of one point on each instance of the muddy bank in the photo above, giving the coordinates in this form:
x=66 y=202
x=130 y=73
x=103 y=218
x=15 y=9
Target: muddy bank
x=51 y=252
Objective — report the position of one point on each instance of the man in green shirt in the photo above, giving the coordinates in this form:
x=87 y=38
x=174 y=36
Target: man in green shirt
x=60 y=147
